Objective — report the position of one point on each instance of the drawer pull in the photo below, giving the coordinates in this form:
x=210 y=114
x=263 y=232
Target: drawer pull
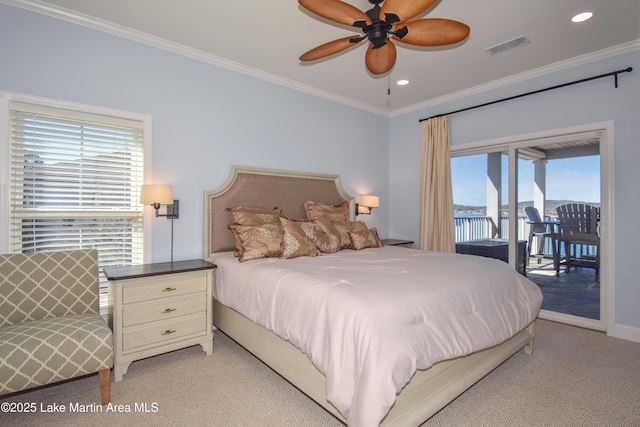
x=167 y=332
x=168 y=310
x=167 y=289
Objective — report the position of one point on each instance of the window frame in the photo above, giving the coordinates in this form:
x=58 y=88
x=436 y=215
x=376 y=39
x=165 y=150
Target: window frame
x=6 y=99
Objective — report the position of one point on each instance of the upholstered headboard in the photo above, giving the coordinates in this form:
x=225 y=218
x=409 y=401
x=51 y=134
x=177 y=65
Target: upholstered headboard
x=251 y=186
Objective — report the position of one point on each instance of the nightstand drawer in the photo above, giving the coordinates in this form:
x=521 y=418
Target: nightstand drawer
x=164 y=287
x=163 y=310
x=163 y=331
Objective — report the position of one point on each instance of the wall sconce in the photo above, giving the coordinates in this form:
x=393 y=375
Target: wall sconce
x=157 y=195
x=368 y=202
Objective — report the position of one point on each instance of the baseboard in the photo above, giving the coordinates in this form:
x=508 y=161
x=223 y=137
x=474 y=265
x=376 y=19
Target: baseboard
x=624 y=332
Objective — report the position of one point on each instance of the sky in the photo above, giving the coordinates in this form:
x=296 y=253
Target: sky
x=576 y=179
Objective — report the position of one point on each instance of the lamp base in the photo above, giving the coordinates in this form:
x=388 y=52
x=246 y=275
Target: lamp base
x=367 y=212
x=173 y=211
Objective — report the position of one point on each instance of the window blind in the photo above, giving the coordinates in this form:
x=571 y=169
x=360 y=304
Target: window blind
x=75 y=183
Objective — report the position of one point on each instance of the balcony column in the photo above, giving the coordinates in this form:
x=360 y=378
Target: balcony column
x=494 y=193
x=540 y=186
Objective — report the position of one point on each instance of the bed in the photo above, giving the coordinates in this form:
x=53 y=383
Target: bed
x=344 y=378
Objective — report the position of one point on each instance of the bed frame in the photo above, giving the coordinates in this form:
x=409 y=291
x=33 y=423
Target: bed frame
x=428 y=391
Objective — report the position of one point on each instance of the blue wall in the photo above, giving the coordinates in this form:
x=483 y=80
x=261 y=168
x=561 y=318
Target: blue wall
x=205 y=118
x=591 y=102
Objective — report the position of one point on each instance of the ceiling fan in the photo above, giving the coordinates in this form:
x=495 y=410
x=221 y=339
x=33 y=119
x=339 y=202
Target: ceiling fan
x=378 y=23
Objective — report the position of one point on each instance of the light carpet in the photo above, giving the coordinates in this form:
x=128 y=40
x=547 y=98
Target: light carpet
x=575 y=377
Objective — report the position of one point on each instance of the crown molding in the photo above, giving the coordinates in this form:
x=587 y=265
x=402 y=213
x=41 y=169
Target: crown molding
x=140 y=37
x=517 y=78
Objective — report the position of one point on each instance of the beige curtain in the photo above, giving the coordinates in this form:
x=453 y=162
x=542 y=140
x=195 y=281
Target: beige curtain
x=436 y=200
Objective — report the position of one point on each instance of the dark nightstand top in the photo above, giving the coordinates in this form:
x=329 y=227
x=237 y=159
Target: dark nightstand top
x=156 y=269
x=396 y=242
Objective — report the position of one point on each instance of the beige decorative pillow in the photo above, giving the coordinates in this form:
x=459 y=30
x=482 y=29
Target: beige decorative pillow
x=374 y=231
x=363 y=239
x=255 y=215
x=297 y=238
x=344 y=228
x=252 y=215
x=257 y=241
x=327 y=237
x=337 y=213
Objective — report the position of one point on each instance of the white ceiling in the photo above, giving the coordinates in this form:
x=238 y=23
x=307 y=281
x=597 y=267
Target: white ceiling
x=265 y=39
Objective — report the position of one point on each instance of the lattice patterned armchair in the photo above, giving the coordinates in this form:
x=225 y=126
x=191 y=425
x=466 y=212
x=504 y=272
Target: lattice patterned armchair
x=50 y=326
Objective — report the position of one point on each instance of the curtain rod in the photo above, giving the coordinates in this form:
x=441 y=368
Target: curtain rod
x=613 y=73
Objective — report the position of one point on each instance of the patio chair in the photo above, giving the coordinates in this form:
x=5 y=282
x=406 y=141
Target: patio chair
x=541 y=230
x=578 y=232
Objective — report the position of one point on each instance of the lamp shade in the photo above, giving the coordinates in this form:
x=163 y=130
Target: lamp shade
x=370 y=201
x=156 y=194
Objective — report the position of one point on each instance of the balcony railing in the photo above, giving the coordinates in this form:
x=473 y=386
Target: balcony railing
x=479 y=227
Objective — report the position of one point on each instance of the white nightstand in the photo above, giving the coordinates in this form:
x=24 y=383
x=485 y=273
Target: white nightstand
x=159 y=308
x=397 y=242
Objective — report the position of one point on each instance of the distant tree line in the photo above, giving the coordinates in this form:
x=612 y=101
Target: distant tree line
x=551 y=206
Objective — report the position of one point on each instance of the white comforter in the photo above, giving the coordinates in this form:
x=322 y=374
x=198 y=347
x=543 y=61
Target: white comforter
x=368 y=319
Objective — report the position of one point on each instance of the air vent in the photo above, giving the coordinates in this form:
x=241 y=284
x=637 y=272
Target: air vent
x=499 y=48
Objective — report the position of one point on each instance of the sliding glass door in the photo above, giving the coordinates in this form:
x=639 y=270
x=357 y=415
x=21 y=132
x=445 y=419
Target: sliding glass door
x=481 y=189
x=569 y=273
x=507 y=198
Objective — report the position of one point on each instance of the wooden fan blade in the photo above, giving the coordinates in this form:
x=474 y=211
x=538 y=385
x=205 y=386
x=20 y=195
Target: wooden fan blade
x=380 y=60
x=329 y=48
x=336 y=10
x=433 y=32
x=405 y=9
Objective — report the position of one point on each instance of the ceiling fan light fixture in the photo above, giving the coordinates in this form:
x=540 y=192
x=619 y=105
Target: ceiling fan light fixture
x=582 y=16
x=380 y=24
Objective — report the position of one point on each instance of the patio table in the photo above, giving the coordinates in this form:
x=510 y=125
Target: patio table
x=495 y=248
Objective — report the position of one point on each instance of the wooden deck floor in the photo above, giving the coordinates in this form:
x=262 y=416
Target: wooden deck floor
x=575 y=293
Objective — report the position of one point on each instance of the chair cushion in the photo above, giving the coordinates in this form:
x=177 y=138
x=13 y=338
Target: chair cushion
x=44 y=351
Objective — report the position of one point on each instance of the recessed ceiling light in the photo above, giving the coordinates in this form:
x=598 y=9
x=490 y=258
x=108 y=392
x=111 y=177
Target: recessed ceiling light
x=581 y=17
x=402 y=82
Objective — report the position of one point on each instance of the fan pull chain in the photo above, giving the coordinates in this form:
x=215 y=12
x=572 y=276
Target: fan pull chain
x=389 y=78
